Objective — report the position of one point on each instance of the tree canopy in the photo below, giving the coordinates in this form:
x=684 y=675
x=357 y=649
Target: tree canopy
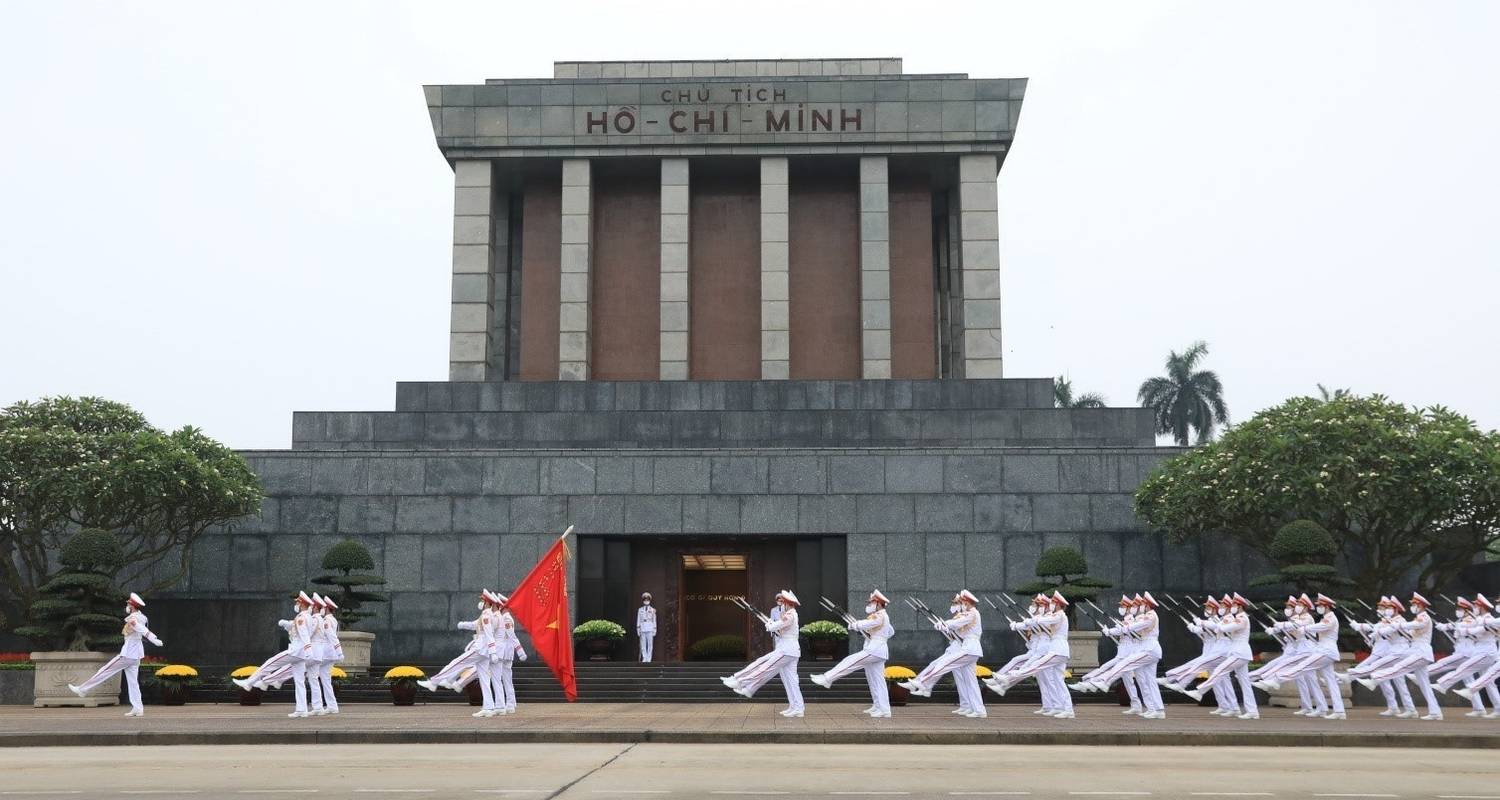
x=1062 y=395
x=1404 y=492
x=78 y=606
x=71 y=463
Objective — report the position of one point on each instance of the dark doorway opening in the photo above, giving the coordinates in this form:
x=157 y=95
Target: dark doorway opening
x=714 y=629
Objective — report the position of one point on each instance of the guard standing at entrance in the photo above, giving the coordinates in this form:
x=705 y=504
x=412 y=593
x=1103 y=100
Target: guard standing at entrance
x=645 y=625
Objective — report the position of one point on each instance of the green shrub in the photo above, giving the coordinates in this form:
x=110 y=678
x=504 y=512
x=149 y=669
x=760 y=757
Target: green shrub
x=717 y=648
x=1303 y=552
x=78 y=608
x=599 y=629
x=823 y=629
x=351 y=564
x=1063 y=569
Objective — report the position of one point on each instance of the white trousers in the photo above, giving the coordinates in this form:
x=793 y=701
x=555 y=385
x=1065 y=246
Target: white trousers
x=873 y=666
x=1413 y=666
x=773 y=664
x=961 y=664
x=131 y=667
x=451 y=673
x=325 y=678
x=1487 y=680
x=1234 y=668
x=646 y=640
x=502 y=685
x=296 y=670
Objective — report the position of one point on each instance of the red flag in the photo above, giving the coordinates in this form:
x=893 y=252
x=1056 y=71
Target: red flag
x=540 y=604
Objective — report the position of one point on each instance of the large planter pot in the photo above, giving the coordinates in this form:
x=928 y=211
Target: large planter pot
x=174 y=693
x=55 y=670
x=15 y=687
x=899 y=694
x=250 y=697
x=1083 y=648
x=599 y=648
x=824 y=649
x=404 y=693
x=357 y=646
x=475 y=693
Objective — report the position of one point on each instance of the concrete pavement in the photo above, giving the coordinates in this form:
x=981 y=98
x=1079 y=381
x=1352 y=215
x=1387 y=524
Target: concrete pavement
x=757 y=723
x=786 y=772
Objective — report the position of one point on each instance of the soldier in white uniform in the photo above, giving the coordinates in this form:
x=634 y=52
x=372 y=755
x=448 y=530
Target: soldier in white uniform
x=1418 y=657
x=1136 y=660
x=1214 y=645
x=319 y=640
x=1387 y=645
x=1490 y=628
x=129 y=659
x=1290 y=665
x=1036 y=646
x=291 y=662
x=508 y=650
x=782 y=660
x=645 y=625
x=333 y=653
x=963 y=629
x=458 y=672
x=1473 y=654
x=1233 y=625
x=1050 y=626
x=877 y=631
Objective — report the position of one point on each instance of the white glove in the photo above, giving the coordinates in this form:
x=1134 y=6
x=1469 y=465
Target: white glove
x=157 y=642
x=937 y=625
x=520 y=654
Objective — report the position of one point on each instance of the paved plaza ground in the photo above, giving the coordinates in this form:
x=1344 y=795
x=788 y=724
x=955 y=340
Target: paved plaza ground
x=781 y=771
x=825 y=723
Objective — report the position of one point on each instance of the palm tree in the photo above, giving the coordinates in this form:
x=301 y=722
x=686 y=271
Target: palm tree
x=1186 y=397
x=1062 y=395
x=1336 y=394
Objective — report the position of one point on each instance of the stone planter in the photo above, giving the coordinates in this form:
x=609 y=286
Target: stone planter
x=55 y=670
x=1083 y=649
x=252 y=697
x=825 y=649
x=357 y=646
x=15 y=687
x=475 y=693
x=404 y=692
x=599 y=648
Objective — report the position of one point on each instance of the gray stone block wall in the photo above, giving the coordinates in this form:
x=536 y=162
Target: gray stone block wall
x=919 y=521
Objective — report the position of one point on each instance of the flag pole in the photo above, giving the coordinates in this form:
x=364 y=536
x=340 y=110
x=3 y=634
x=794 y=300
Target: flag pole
x=565 y=544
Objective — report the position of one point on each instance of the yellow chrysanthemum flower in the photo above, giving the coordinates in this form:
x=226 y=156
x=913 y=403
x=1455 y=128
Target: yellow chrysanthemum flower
x=981 y=671
x=243 y=672
x=338 y=674
x=899 y=674
x=404 y=672
x=177 y=671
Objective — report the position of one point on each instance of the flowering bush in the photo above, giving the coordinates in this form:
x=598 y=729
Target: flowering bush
x=599 y=629
x=338 y=674
x=243 y=672
x=895 y=673
x=981 y=671
x=397 y=674
x=181 y=674
x=823 y=629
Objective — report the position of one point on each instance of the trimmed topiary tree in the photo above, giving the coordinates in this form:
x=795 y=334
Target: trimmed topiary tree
x=79 y=607
x=352 y=567
x=1063 y=569
x=1303 y=553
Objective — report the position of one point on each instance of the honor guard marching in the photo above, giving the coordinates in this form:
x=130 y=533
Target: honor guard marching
x=963 y=632
x=1048 y=627
x=479 y=647
x=1297 y=646
x=781 y=661
x=1233 y=626
x=331 y=655
x=1315 y=625
x=645 y=625
x=877 y=631
x=129 y=659
x=1139 y=651
x=1215 y=645
x=1416 y=660
x=1474 y=655
x=1387 y=645
x=291 y=662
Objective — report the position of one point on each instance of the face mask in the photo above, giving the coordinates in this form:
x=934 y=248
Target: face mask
x=1287 y=612
x=1323 y=610
x=869 y=608
x=953 y=609
x=127 y=610
x=645 y=602
x=1122 y=611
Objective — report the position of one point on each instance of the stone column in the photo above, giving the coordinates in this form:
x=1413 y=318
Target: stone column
x=979 y=227
x=674 y=269
x=573 y=292
x=775 y=312
x=473 y=312
x=874 y=267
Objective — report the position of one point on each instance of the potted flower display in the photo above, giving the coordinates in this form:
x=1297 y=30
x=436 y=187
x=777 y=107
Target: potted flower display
x=247 y=697
x=339 y=678
x=824 y=638
x=599 y=637
x=175 y=679
x=403 y=681
x=893 y=677
x=982 y=672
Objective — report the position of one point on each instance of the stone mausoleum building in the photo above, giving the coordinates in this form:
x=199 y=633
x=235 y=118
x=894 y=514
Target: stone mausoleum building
x=739 y=323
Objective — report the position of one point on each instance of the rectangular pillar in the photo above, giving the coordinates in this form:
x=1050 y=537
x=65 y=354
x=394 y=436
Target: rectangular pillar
x=874 y=267
x=471 y=344
x=979 y=229
x=573 y=289
x=674 y=268
x=775 y=313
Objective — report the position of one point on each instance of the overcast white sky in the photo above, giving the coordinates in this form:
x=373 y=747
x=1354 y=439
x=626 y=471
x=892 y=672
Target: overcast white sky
x=222 y=213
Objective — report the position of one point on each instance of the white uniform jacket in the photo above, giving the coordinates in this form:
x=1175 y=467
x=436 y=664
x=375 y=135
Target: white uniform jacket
x=784 y=632
x=135 y=629
x=877 y=630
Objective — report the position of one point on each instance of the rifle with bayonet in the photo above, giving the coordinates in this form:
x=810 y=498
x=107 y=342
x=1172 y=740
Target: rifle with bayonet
x=837 y=610
x=744 y=605
x=922 y=610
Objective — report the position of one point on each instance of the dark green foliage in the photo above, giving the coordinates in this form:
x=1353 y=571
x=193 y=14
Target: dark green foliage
x=1304 y=553
x=1187 y=398
x=71 y=463
x=717 y=648
x=1063 y=569
x=347 y=585
x=1062 y=396
x=80 y=608
x=1302 y=540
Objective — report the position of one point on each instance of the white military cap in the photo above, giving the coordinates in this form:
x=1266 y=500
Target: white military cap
x=136 y=600
x=967 y=596
x=877 y=597
x=303 y=598
x=787 y=595
x=329 y=604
